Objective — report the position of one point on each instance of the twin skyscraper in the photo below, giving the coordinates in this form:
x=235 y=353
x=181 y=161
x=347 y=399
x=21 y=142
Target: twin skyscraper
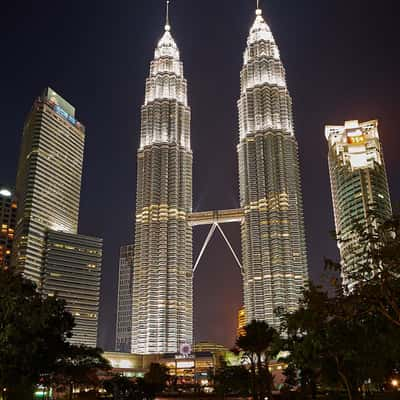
x=271 y=215
x=155 y=297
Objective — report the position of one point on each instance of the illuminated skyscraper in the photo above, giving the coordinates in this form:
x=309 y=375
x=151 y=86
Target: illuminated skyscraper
x=123 y=337
x=359 y=186
x=162 y=276
x=273 y=239
x=47 y=248
x=48 y=179
x=72 y=272
x=8 y=216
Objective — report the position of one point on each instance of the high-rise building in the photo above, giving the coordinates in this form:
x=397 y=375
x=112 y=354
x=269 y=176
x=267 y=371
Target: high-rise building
x=8 y=216
x=72 y=271
x=359 y=187
x=48 y=179
x=123 y=337
x=241 y=322
x=162 y=276
x=47 y=248
x=273 y=238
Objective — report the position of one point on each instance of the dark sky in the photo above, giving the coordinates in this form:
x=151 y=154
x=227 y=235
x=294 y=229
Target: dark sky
x=342 y=60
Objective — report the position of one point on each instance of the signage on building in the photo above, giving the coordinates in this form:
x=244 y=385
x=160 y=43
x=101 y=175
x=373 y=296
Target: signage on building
x=64 y=114
x=185 y=349
x=356 y=139
x=185 y=364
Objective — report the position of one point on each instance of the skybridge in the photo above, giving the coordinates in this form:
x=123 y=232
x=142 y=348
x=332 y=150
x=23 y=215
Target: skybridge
x=219 y=217
x=215 y=219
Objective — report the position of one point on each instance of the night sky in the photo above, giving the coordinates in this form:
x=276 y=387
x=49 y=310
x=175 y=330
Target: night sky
x=342 y=61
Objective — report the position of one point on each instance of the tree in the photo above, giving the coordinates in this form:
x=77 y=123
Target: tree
x=122 y=388
x=155 y=380
x=339 y=341
x=33 y=332
x=79 y=365
x=256 y=345
x=378 y=278
x=232 y=381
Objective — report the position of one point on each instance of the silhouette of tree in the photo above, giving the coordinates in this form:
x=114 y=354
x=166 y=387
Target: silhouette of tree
x=338 y=340
x=33 y=333
x=256 y=346
x=232 y=381
x=377 y=279
x=155 y=380
x=79 y=365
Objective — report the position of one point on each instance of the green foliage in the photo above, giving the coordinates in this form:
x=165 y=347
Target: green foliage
x=378 y=283
x=257 y=347
x=78 y=366
x=155 y=380
x=122 y=388
x=33 y=332
x=352 y=337
x=232 y=381
x=339 y=341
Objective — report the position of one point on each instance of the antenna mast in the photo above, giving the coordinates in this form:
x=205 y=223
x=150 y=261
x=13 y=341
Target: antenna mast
x=167 y=25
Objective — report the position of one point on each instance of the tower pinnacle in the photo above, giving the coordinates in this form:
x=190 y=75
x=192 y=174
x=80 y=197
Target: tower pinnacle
x=167 y=25
x=162 y=282
x=258 y=10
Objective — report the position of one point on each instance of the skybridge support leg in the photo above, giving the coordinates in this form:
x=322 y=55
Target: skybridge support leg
x=214 y=226
x=231 y=248
x=208 y=238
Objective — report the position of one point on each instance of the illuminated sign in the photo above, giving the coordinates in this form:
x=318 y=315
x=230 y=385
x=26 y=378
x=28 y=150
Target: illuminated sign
x=185 y=349
x=356 y=139
x=185 y=364
x=64 y=114
x=125 y=364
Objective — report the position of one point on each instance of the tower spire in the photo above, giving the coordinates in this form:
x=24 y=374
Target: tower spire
x=167 y=25
x=258 y=9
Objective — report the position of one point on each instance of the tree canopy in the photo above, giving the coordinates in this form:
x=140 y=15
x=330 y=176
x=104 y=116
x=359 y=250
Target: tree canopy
x=257 y=347
x=337 y=340
x=34 y=347
x=78 y=365
x=378 y=277
x=232 y=381
x=33 y=333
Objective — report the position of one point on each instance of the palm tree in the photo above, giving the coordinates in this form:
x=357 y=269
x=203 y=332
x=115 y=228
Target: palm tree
x=256 y=346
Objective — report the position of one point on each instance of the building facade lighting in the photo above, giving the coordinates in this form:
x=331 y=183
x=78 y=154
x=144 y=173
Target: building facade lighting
x=273 y=238
x=162 y=290
x=5 y=193
x=8 y=220
x=48 y=180
x=359 y=187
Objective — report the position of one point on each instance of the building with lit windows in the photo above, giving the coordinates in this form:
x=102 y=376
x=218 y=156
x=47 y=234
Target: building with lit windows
x=359 y=186
x=275 y=268
x=196 y=368
x=162 y=275
x=48 y=179
x=8 y=216
x=188 y=370
x=123 y=338
x=241 y=322
x=47 y=248
x=220 y=353
x=72 y=272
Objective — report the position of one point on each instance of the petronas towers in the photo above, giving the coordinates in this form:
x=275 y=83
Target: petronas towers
x=162 y=271
x=273 y=242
